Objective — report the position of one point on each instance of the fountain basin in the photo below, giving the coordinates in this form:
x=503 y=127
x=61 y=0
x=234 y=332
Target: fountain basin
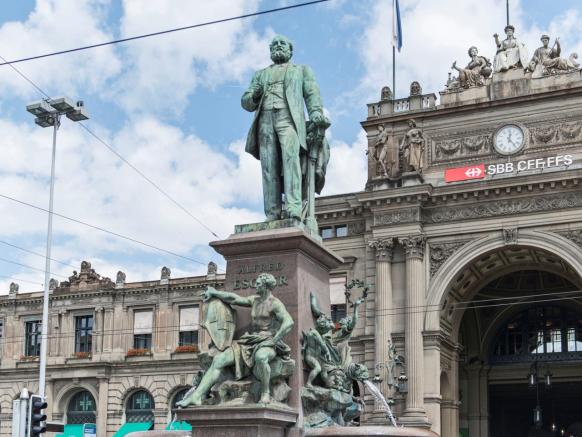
x=362 y=431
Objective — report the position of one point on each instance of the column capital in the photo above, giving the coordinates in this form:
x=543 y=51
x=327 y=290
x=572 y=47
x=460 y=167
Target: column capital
x=413 y=245
x=384 y=248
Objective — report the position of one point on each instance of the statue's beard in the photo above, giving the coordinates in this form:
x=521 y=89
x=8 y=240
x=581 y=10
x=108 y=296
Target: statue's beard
x=280 y=56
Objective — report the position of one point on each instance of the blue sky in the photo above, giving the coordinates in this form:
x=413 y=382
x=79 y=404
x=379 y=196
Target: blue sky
x=171 y=106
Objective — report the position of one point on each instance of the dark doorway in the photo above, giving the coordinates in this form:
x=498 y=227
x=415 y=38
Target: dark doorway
x=511 y=408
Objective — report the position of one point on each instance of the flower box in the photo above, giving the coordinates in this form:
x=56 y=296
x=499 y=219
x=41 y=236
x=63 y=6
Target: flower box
x=138 y=352
x=190 y=348
x=29 y=358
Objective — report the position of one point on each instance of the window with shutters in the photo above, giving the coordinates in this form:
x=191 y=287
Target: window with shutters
x=142 y=329
x=189 y=319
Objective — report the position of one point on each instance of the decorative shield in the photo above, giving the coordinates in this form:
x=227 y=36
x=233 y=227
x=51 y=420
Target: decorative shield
x=523 y=55
x=220 y=323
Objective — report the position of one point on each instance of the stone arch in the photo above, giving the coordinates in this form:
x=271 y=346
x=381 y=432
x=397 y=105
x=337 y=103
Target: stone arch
x=549 y=242
x=173 y=392
x=63 y=397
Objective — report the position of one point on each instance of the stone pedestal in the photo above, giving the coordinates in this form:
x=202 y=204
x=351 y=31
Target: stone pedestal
x=368 y=431
x=301 y=265
x=410 y=179
x=240 y=421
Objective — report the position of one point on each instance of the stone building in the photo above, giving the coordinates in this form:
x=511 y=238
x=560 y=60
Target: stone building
x=470 y=230
x=119 y=352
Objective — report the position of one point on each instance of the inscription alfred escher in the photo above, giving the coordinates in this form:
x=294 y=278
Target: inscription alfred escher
x=254 y=269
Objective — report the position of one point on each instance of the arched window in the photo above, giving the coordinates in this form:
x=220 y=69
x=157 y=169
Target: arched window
x=140 y=406
x=81 y=408
x=545 y=333
x=178 y=397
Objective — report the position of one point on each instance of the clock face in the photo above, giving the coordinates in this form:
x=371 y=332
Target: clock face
x=509 y=139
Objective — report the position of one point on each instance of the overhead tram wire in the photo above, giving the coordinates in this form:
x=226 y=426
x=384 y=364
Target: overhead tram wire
x=164 y=32
x=21 y=280
x=107 y=231
x=28 y=267
x=36 y=253
x=116 y=153
x=175 y=328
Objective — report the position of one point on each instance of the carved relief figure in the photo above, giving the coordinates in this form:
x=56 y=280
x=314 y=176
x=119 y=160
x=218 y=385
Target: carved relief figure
x=511 y=53
x=386 y=93
x=476 y=71
x=412 y=148
x=259 y=353
x=381 y=149
x=546 y=60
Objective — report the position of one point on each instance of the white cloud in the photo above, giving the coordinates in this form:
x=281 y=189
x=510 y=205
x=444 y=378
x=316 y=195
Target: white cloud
x=163 y=72
x=56 y=25
x=347 y=170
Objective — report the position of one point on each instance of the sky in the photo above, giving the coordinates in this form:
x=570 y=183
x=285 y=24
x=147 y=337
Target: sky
x=170 y=105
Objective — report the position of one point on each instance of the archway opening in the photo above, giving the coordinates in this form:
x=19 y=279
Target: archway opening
x=81 y=408
x=524 y=322
x=140 y=407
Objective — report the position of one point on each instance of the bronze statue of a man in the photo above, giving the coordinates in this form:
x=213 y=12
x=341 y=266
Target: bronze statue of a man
x=278 y=95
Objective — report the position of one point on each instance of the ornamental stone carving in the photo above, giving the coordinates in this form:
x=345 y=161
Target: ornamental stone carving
x=405 y=215
x=13 y=291
x=212 y=268
x=510 y=236
x=381 y=150
x=472 y=145
x=503 y=208
x=356 y=228
x=413 y=245
x=166 y=273
x=574 y=236
x=120 y=279
x=384 y=248
x=412 y=149
x=386 y=94
x=556 y=132
x=440 y=252
x=415 y=89
x=53 y=284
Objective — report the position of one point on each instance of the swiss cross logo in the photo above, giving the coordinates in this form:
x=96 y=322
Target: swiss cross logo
x=465 y=173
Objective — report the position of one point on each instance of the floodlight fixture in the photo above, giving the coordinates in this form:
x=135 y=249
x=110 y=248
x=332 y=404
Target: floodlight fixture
x=39 y=108
x=62 y=104
x=78 y=114
x=46 y=121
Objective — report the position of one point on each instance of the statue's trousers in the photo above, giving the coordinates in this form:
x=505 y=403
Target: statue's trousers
x=279 y=146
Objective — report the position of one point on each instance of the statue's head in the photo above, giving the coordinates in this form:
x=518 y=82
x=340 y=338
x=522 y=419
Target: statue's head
x=386 y=93
x=473 y=51
x=509 y=30
x=411 y=123
x=324 y=324
x=265 y=284
x=281 y=49
x=358 y=372
x=545 y=39
x=339 y=380
x=345 y=322
x=381 y=127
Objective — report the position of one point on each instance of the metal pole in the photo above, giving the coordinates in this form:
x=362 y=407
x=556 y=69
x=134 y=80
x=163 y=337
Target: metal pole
x=24 y=399
x=507 y=11
x=394 y=72
x=47 y=270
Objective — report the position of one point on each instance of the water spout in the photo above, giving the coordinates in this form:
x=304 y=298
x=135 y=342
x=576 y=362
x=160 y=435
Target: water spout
x=382 y=400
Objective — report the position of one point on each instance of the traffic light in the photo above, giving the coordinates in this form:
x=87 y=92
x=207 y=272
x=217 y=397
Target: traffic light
x=36 y=417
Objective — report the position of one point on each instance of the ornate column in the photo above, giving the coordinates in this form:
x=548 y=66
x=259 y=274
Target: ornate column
x=414 y=246
x=383 y=321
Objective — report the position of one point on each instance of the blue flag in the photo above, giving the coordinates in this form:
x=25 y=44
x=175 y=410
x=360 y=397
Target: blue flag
x=396 y=25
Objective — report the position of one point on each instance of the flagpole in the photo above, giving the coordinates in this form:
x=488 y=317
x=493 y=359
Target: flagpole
x=507 y=11
x=394 y=71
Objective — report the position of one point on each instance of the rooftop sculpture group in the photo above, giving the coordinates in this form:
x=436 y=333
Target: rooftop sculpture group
x=511 y=54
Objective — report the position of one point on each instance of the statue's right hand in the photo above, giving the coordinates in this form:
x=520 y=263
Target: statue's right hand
x=208 y=294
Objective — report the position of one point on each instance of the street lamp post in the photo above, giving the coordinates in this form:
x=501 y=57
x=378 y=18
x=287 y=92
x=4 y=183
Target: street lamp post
x=48 y=113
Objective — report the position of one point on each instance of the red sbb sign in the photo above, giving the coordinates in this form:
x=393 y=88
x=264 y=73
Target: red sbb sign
x=465 y=173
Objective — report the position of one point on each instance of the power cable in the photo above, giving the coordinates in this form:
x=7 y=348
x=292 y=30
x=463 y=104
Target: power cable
x=116 y=153
x=163 y=32
x=175 y=328
x=133 y=240
x=36 y=253
x=29 y=267
x=20 y=280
